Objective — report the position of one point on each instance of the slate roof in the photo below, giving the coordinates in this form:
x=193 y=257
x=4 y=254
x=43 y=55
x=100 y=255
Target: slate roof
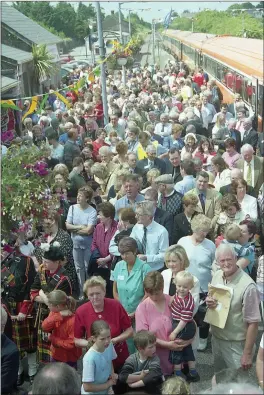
x=16 y=54
x=32 y=31
x=111 y=22
x=7 y=83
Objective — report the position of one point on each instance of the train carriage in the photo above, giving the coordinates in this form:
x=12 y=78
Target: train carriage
x=235 y=63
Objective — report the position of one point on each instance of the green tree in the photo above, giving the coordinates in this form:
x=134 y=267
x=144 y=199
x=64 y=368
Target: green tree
x=42 y=62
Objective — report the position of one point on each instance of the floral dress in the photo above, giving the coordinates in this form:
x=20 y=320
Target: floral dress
x=66 y=247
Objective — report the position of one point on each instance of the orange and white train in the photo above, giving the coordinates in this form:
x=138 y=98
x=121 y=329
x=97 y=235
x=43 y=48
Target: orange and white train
x=235 y=63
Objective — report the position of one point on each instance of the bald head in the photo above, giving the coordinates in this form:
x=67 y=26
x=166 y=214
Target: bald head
x=236 y=174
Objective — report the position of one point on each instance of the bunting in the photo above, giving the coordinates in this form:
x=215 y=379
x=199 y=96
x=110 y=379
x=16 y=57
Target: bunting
x=32 y=107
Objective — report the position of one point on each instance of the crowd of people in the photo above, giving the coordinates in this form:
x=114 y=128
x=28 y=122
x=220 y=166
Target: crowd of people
x=160 y=206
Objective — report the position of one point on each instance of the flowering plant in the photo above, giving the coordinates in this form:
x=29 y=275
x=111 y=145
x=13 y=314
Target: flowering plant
x=26 y=195
x=7 y=137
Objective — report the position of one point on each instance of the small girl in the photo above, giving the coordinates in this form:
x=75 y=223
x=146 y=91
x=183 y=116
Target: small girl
x=60 y=323
x=98 y=371
x=183 y=325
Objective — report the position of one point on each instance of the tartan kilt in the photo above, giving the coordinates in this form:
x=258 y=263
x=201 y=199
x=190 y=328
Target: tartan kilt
x=43 y=351
x=24 y=334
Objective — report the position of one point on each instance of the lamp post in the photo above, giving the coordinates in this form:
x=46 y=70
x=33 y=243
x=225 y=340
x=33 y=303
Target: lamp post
x=153 y=40
x=122 y=62
x=102 y=56
x=120 y=22
x=129 y=23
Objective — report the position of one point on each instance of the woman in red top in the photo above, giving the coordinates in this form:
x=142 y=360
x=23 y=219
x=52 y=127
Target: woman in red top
x=60 y=323
x=101 y=258
x=99 y=142
x=101 y=308
x=99 y=111
x=205 y=151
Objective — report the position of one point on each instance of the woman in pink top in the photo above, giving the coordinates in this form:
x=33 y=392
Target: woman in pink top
x=231 y=156
x=154 y=315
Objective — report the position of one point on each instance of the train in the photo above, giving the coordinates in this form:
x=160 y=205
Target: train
x=235 y=63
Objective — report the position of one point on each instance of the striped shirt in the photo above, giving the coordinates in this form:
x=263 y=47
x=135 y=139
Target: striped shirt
x=182 y=308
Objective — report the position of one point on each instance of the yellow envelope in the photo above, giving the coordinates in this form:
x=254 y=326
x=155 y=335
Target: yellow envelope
x=223 y=295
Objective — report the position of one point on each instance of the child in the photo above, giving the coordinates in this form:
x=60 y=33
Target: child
x=60 y=323
x=232 y=235
x=98 y=371
x=141 y=369
x=175 y=386
x=184 y=327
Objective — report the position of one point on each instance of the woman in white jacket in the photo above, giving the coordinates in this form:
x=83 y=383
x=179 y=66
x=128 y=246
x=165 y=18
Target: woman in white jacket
x=176 y=260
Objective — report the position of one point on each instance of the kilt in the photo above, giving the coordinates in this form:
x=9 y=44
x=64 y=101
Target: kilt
x=24 y=334
x=43 y=351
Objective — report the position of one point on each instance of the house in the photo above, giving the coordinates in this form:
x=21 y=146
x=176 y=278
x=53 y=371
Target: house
x=18 y=35
x=111 y=32
x=9 y=88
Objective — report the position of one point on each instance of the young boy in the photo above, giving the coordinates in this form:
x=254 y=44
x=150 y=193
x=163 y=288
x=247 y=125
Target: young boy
x=142 y=369
x=184 y=327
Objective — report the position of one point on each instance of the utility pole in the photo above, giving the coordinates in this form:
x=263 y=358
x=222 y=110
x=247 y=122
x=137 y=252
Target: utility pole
x=192 y=24
x=153 y=40
x=129 y=23
x=102 y=57
x=120 y=22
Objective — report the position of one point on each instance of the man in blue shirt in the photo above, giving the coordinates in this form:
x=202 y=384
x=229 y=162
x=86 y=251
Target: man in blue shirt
x=131 y=187
x=188 y=181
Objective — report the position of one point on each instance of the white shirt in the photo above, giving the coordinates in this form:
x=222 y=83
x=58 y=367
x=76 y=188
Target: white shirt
x=167 y=129
x=157 y=243
x=208 y=113
x=249 y=207
x=252 y=170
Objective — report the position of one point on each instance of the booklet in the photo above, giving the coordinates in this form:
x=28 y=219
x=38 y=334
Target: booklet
x=223 y=295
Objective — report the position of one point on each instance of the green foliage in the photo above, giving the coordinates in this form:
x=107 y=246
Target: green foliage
x=42 y=62
x=138 y=25
x=247 y=5
x=221 y=22
x=61 y=19
x=23 y=187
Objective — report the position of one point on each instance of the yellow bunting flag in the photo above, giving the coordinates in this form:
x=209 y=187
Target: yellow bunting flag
x=63 y=99
x=32 y=107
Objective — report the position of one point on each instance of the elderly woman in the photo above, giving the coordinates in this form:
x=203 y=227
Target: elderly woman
x=200 y=252
x=182 y=221
x=230 y=156
x=248 y=203
x=190 y=142
x=221 y=172
x=151 y=175
x=128 y=276
x=28 y=124
x=154 y=315
x=169 y=199
x=101 y=258
x=109 y=310
x=100 y=173
x=81 y=219
x=51 y=276
x=230 y=213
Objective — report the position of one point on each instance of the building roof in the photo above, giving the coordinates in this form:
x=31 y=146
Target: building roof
x=111 y=22
x=16 y=54
x=7 y=83
x=30 y=30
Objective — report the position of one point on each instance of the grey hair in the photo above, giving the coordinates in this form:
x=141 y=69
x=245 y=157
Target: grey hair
x=57 y=378
x=164 y=115
x=225 y=248
x=146 y=207
x=190 y=129
x=44 y=120
x=248 y=120
x=200 y=223
x=104 y=151
x=182 y=118
x=246 y=147
x=232 y=120
x=151 y=147
x=234 y=388
x=26 y=121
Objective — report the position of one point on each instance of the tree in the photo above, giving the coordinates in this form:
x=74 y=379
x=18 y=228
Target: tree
x=42 y=62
